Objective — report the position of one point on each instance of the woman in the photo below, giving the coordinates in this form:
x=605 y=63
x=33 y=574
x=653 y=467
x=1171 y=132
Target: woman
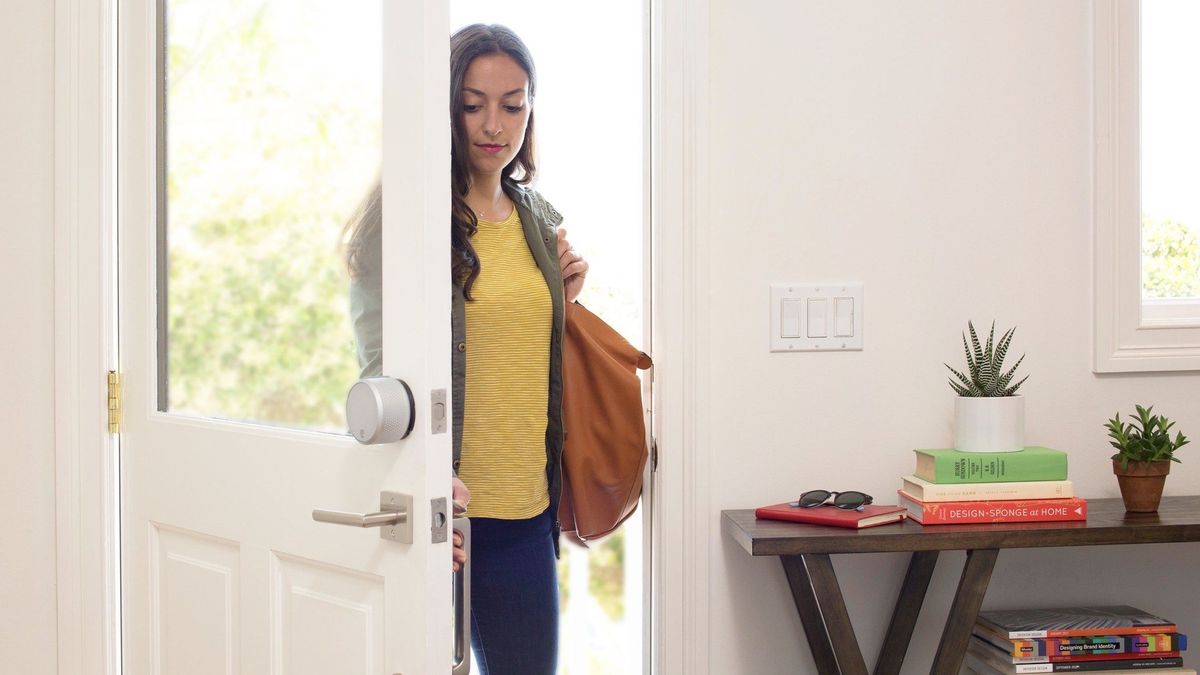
x=513 y=270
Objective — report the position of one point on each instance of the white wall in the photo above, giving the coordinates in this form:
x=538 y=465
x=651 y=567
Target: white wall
x=27 y=562
x=938 y=152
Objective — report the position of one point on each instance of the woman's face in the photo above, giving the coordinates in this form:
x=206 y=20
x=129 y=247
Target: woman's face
x=495 y=111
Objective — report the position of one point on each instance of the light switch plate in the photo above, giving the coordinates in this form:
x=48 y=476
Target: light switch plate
x=835 y=300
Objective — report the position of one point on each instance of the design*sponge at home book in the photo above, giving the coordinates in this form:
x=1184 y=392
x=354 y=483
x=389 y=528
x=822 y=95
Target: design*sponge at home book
x=999 y=511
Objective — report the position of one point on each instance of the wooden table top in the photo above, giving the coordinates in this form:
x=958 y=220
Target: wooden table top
x=1177 y=519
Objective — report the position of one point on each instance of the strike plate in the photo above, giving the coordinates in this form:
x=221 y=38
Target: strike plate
x=438 y=520
x=437 y=411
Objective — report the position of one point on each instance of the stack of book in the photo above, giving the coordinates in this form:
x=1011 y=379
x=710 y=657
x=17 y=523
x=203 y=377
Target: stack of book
x=1115 y=640
x=951 y=487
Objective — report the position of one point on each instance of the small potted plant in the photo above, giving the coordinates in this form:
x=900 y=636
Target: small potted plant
x=1145 y=451
x=989 y=415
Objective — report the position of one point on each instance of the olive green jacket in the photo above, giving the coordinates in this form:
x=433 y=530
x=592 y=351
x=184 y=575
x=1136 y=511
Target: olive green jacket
x=540 y=221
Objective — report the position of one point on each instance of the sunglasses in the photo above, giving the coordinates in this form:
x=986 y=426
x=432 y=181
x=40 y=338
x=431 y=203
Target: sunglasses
x=842 y=500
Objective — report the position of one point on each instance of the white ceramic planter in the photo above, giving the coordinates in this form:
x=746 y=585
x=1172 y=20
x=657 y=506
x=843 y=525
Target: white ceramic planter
x=989 y=424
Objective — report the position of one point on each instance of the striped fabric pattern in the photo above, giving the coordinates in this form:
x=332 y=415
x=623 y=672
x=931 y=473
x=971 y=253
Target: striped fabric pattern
x=508 y=372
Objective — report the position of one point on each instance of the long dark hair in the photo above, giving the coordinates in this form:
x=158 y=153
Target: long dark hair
x=466 y=45
x=362 y=243
x=362 y=231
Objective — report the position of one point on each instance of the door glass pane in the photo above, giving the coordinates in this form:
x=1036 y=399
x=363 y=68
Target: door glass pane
x=1170 y=150
x=270 y=139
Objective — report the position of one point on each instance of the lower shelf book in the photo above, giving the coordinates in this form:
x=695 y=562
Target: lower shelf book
x=1078 y=621
x=1062 y=648
x=986 y=659
x=1111 y=638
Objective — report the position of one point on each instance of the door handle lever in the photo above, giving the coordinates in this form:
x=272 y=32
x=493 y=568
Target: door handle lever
x=393 y=518
x=360 y=519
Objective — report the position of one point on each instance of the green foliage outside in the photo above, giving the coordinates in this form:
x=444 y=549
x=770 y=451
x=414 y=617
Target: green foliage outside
x=606 y=575
x=261 y=336
x=1170 y=259
x=268 y=153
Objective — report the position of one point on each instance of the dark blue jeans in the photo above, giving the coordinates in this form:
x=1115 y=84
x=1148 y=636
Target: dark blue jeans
x=514 y=596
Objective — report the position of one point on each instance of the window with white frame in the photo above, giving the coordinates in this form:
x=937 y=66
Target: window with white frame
x=1147 y=169
x=1170 y=160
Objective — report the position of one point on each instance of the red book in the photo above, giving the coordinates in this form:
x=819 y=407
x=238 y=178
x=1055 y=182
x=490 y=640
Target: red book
x=997 y=511
x=870 y=516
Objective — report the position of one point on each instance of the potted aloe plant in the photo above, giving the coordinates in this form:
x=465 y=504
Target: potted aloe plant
x=1145 y=451
x=989 y=415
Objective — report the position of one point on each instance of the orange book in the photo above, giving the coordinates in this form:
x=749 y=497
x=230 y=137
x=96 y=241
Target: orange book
x=996 y=511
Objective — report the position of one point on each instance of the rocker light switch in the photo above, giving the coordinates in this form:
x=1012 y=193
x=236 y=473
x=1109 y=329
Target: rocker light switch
x=843 y=317
x=790 y=320
x=816 y=317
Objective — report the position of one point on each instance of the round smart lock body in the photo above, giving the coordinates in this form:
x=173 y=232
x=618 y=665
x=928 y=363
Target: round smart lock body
x=380 y=410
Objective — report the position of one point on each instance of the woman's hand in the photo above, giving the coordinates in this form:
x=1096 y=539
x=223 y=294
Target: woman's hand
x=460 y=554
x=461 y=497
x=574 y=267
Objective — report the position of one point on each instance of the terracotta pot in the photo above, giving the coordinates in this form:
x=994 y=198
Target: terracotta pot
x=1142 y=484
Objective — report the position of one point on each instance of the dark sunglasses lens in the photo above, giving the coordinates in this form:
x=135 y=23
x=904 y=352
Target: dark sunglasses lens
x=813 y=497
x=851 y=500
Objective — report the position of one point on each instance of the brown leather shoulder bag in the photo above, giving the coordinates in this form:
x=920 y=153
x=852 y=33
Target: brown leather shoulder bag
x=604 y=452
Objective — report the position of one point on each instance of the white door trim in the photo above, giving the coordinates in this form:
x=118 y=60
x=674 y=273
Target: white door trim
x=682 y=522
x=84 y=302
x=84 y=341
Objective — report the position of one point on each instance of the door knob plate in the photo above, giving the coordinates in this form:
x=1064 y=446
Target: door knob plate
x=394 y=501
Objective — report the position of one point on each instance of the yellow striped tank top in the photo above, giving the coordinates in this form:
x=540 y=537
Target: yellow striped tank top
x=508 y=326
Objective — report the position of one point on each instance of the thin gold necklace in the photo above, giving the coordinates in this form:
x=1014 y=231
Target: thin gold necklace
x=481 y=213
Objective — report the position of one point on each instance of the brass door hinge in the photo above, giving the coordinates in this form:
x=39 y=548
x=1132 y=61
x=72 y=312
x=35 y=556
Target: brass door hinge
x=114 y=402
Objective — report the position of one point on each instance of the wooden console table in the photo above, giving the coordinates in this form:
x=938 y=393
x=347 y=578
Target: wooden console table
x=804 y=551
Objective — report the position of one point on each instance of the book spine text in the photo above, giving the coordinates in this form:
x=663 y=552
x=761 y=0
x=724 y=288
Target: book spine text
x=1031 y=510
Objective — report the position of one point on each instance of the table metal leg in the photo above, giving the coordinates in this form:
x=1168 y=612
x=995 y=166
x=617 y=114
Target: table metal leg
x=972 y=586
x=904 y=616
x=822 y=609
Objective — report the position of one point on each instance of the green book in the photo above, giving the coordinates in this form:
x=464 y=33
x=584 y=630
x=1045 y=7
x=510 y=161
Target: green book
x=952 y=466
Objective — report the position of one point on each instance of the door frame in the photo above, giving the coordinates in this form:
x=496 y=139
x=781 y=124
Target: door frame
x=87 y=528
x=85 y=304
x=680 y=222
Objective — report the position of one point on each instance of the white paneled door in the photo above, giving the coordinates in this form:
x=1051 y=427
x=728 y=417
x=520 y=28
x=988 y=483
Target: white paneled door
x=251 y=135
